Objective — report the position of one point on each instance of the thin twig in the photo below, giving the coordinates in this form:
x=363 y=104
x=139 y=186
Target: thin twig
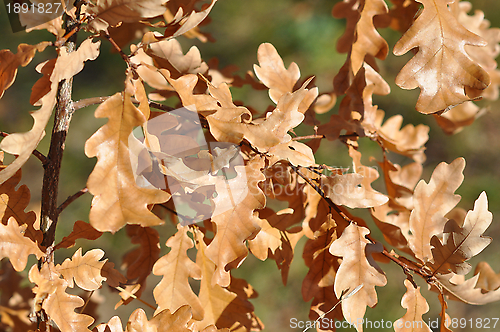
x=71 y=199
x=89 y=102
x=115 y=45
x=35 y=152
x=298 y=138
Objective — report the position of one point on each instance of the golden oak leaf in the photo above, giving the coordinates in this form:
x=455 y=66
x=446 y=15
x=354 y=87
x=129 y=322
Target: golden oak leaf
x=213 y=298
x=234 y=218
x=393 y=224
x=272 y=72
x=488 y=279
x=355 y=270
x=111 y=12
x=296 y=153
x=415 y=305
x=15 y=246
x=174 y=291
x=113 y=325
x=9 y=62
x=460 y=243
x=118 y=199
x=441 y=68
x=268 y=238
x=49 y=18
x=407 y=141
x=168 y=54
x=81 y=230
x=163 y=321
x=457 y=288
x=354 y=190
x=432 y=202
x=59 y=306
x=183 y=23
x=368 y=40
x=454 y=120
x=22 y=144
x=85 y=270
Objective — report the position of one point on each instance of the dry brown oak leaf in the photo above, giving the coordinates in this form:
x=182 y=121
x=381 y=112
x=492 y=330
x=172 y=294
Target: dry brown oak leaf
x=174 y=290
x=118 y=199
x=356 y=269
x=416 y=306
x=442 y=69
x=460 y=243
x=85 y=270
x=432 y=202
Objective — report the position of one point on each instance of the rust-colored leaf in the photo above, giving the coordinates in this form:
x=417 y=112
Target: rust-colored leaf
x=9 y=62
x=81 y=230
x=442 y=69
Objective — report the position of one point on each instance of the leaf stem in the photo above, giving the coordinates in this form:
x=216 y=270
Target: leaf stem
x=71 y=199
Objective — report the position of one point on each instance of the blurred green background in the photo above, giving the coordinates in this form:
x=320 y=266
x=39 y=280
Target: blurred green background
x=303 y=32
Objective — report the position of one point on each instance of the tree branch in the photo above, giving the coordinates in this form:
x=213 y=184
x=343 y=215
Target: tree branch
x=64 y=111
x=71 y=199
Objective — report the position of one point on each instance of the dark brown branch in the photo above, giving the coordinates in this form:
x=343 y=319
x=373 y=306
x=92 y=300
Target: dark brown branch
x=71 y=199
x=35 y=152
x=64 y=111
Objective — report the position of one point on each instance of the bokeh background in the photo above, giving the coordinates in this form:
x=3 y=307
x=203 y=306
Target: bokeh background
x=303 y=32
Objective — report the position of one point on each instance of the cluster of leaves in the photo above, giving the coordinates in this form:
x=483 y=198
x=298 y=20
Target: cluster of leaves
x=454 y=64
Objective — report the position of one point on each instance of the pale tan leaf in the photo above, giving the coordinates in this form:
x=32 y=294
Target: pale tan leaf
x=466 y=290
x=460 y=243
x=296 y=153
x=488 y=279
x=22 y=144
x=174 y=291
x=234 y=218
x=49 y=19
x=415 y=305
x=113 y=325
x=192 y=20
x=85 y=270
x=118 y=199
x=272 y=72
x=15 y=246
x=441 y=68
x=111 y=12
x=432 y=202
x=355 y=270
x=454 y=120
x=213 y=298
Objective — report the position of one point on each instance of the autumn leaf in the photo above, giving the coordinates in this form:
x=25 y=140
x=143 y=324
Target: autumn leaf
x=234 y=218
x=118 y=199
x=213 y=297
x=460 y=243
x=15 y=246
x=272 y=72
x=488 y=279
x=416 y=306
x=442 y=69
x=456 y=287
x=85 y=270
x=184 y=23
x=174 y=291
x=355 y=270
x=432 y=202
x=81 y=230
x=9 y=62
x=111 y=12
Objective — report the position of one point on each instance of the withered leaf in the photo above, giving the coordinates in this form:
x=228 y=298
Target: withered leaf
x=355 y=270
x=81 y=230
x=85 y=270
x=415 y=305
x=441 y=68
